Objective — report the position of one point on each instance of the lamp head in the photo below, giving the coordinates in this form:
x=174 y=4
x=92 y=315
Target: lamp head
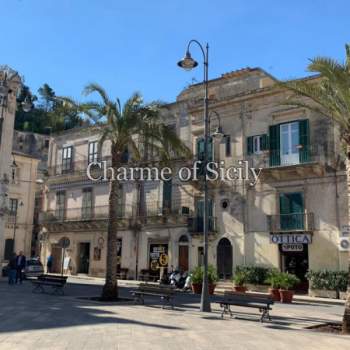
x=218 y=133
x=187 y=62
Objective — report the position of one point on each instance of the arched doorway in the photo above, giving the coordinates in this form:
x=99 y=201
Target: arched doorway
x=183 y=253
x=224 y=258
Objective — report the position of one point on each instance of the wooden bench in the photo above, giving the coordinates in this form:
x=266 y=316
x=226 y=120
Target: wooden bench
x=166 y=294
x=55 y=282
x=262 y=302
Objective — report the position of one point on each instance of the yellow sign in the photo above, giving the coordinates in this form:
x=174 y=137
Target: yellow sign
x=163 y=260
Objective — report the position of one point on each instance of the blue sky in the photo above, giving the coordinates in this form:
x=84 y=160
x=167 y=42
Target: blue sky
x=134 y=45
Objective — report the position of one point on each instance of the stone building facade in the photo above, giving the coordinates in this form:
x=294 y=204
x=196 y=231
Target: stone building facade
x=291 y=218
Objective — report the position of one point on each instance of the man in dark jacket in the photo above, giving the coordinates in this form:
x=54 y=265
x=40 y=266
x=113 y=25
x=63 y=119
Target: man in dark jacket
x=20 y=265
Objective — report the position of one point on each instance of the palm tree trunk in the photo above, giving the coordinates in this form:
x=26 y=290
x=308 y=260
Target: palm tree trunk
x=346 y=317
x=110 y=289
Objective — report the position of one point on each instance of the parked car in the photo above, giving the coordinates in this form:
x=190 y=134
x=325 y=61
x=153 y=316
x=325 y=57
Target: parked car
x=33 y=268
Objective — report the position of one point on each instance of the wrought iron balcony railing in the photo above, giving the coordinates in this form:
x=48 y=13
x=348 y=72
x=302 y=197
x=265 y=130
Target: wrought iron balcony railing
x=196 y=224
x=291 y=222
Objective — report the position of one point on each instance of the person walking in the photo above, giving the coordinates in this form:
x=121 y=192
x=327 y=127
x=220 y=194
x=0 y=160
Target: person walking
x=12 y=269
x=49 y=263
x=20 y=266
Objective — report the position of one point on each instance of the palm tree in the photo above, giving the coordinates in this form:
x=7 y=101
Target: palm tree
x=137 y=128
x=329 y=95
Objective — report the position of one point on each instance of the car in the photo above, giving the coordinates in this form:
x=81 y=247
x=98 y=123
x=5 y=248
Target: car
x=33 y=268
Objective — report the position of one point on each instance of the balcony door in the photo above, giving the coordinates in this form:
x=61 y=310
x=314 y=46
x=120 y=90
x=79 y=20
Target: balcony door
x=200 y=215
x=292 y=211
x=290 y=141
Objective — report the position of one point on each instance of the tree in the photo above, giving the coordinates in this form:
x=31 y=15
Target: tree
x=329 y=95
x=137 y=127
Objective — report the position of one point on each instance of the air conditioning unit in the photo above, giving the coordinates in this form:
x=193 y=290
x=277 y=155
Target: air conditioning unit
x=344 y=244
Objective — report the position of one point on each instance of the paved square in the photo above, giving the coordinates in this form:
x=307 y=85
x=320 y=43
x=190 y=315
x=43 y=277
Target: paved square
x=41 y=321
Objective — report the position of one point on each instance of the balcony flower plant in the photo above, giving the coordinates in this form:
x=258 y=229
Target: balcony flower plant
x=197 y=279
x=287 y=282
x=239 y=281
x=274 y=280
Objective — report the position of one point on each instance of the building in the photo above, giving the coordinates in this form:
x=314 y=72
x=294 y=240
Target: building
x=282 y=221
x=18 y=173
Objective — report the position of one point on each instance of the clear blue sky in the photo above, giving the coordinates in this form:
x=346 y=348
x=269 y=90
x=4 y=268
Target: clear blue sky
x=134 y=45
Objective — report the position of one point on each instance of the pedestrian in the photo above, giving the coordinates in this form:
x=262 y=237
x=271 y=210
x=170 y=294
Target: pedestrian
x=20 y=266
x=11 y=272
x=49 y=263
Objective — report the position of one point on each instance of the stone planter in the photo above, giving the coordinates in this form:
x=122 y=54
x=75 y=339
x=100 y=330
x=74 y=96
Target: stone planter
x=286 y=296
x=275 y=294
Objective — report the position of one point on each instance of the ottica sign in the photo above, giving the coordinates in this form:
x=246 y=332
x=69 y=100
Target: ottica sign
x=289 y=238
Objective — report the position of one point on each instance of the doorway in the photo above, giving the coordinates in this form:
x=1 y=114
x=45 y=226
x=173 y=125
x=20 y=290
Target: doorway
x=84 y=258
x=296 y=262
x=56 y=253
x=224 y=258
x=183 y=253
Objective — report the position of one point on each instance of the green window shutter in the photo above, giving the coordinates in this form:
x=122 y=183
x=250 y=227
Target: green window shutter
x=291 y=211
x=200 y=149
x=167 y=192
x=250 y=145
x=275 y=152
x=264 y=142
x=304 y=141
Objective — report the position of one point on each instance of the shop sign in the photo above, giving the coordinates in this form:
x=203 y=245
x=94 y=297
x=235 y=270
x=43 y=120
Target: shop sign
x=291 y=238
x=158 y=256
x=293 y=247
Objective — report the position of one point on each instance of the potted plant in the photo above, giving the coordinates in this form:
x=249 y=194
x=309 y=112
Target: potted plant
x=287 y=281
x=239 y=280
x=197 y=279
x=274 y=279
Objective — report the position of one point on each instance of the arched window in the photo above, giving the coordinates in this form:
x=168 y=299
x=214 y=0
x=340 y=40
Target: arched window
x=183 y=239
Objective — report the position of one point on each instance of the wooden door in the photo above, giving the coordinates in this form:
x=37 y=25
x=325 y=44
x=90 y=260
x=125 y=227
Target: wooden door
x=183 y=258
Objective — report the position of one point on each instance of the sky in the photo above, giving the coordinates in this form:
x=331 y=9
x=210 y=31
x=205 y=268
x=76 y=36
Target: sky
x=129 y=46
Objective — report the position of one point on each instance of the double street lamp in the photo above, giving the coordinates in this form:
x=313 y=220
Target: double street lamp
x=189 y=63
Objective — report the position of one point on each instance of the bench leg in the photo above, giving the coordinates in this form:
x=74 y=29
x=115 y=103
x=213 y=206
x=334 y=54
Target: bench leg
x=166 y=300
x=139 y=300
x=38 y=288
x=226 y=310
x=265 y=314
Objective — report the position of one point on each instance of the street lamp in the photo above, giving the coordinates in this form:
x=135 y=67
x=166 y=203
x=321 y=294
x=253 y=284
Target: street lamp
x=189 y=63
x=218 y=133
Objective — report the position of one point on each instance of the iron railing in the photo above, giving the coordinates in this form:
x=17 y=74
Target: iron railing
x=196 y=224
x=291 y=222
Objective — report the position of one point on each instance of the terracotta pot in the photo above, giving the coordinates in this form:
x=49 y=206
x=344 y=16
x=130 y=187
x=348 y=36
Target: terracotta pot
x=197 y=288
x=286 y=295
x=240 y=289
x=275 y=293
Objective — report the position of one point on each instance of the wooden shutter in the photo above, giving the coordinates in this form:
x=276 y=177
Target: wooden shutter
x=250 y=145
x=264 y=142
x=275 y=152
x=167 y=192
x=304 y=141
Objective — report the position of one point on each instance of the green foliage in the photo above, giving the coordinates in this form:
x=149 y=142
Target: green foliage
x=287 y=280
x=254 y=274
x=274 y=278
x=49 y=114
x=197 y=275
x=328 y=280
x=240 y=278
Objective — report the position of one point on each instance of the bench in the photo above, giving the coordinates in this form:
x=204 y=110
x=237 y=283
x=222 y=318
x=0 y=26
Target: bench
x=55 y=282
x=262 y=302
x=165 y=293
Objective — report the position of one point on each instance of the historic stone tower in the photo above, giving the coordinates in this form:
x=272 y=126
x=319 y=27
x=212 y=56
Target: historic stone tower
x=10 y=83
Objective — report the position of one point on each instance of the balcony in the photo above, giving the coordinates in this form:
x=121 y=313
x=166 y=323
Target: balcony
x=297 y=222
x=196 y=225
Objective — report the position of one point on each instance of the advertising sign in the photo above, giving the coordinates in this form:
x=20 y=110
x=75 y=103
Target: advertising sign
x=291 y=238
x=158 y=256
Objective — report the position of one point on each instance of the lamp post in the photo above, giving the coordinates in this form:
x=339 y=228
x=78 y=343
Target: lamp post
x=189 y=63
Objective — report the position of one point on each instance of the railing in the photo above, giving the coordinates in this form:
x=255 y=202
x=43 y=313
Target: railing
x=299 y=155
x=151 y=213
x=196 y=224
x=291 y=222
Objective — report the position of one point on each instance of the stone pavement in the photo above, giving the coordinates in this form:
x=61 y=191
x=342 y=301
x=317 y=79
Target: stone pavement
x=41 y=321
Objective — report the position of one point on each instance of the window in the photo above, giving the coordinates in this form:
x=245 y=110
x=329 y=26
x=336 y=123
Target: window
x=60 y=205
x=87 y=204
x=256 y=144
x=227 y=145
x=93 y=152
x=200 y=215
x=167 y=192
x=13 y=206
x=292 y=211
x=67 y=159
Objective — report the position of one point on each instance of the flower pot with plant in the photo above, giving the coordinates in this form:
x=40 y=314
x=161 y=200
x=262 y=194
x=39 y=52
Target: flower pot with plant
x=274 y=279
x=287 y=282
x=197 y=279
x=239 y=281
